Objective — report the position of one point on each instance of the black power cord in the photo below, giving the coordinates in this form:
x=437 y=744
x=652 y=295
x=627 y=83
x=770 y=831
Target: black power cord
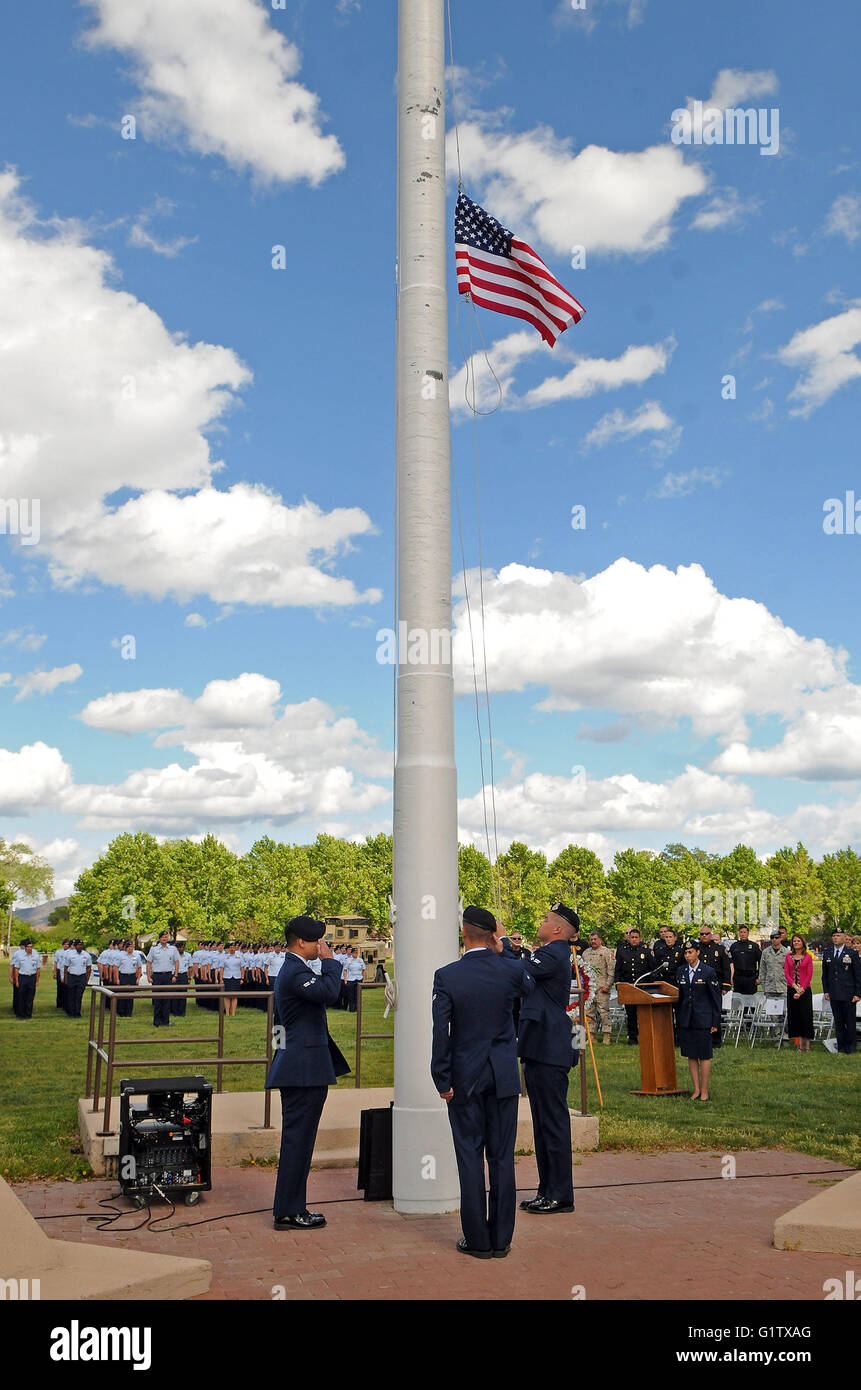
x=150 y=1224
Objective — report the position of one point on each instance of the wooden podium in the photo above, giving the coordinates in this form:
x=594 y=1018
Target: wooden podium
x=654 y=1003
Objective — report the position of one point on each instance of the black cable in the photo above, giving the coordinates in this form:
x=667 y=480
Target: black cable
x=338 y=1201
x=161 y=1220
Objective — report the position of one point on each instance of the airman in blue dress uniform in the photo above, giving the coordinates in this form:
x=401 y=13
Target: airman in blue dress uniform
x=546 y=1044
x=474 y=1068
x=699 y=1016
x=305 y=1065
x=841 y=984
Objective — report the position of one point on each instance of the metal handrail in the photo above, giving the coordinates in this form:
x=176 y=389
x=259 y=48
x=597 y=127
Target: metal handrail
x=360 y=1036
x=97 y=1052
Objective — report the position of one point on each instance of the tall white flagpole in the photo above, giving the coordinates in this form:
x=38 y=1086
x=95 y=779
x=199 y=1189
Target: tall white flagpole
x=425 y=793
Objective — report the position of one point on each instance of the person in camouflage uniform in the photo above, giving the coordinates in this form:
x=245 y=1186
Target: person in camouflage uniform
x=601 y=962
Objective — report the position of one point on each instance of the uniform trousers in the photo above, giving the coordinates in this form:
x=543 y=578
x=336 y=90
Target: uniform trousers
x=599 y=1004
x=126 y=1004
x=844 y=1024
x=74 y=993
x=301 y=1108
x=177 y=1006
x=26 y=995
x=60 y=1000
x=352 y=995
x=633 y=1024
x=160 y=1006
x=485 y=1125
x=547 y=1088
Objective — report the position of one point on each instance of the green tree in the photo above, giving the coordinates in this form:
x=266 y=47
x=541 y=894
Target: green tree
x=23 y=874
x=201 y=889
x=576 y=877
x=524 y=888
x=642 y=884
x=123 y=891
x=475 y=877
x=374 y=869
x=59 y=915
x=840 y=876
x=335 y=888
x=794 y=874
x=275 y=883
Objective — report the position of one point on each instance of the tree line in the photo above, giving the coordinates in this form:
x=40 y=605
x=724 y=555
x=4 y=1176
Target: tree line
x=203 y=889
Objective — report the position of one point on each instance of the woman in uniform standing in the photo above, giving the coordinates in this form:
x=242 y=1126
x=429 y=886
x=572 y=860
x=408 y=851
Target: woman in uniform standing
x=232 y=973
x=129 y=973
x=699 y=1015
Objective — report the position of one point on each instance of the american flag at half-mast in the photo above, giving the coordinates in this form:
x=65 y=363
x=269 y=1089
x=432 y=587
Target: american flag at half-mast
x=499 y=271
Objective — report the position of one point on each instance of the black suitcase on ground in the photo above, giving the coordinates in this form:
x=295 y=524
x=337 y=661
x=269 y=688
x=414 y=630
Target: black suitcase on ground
x=375 y=1155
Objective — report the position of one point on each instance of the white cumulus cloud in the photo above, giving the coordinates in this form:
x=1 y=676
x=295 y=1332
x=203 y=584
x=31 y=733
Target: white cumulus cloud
x=45 y=682
x=217 y=76
x=824 y=354
x=655 y=644
x=98 y=396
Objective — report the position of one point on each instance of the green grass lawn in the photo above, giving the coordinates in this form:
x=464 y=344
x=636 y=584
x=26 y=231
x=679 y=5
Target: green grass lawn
x=762 y=1098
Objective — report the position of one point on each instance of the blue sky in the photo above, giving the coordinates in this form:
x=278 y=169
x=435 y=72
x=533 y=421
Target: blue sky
x=211 y=439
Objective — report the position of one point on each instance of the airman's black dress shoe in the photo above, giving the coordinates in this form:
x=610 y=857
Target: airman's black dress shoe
x=479 y=1254
x=302 y=1221
x=545 y=1206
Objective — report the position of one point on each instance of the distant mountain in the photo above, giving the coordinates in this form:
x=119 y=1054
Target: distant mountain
x=37 y=917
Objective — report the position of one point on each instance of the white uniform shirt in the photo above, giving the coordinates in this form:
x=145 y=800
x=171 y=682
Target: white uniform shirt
x=276 y=961
x=60 y=961
x=24 y=964
x=231 y=965
x=183 y=962
x=355 y=968
x=162 y=958
x=79 y=963
x=128 y=963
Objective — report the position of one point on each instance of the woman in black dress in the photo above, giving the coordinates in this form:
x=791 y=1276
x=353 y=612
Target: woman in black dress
x=798 y=968
x=699 y=1014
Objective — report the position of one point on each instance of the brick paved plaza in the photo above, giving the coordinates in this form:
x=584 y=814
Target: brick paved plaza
x=627 y=1242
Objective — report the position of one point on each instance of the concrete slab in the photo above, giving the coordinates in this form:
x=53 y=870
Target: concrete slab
x=828 y=1224
x=238 y=1136
x=70 y=1270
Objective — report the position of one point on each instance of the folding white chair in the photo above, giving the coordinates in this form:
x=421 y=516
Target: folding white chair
x=769 y=1019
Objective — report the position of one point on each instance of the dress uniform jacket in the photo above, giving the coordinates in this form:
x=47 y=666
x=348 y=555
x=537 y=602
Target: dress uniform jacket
x=632 y=962
x=546 y=1044
x=473 y=1022
x=305 y=1065
x=714 y=955
x=475 y=1054
x=545 y=1028
x=308 y=1056
x=699 y=1003
x=841 y=981
x=668 y=959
